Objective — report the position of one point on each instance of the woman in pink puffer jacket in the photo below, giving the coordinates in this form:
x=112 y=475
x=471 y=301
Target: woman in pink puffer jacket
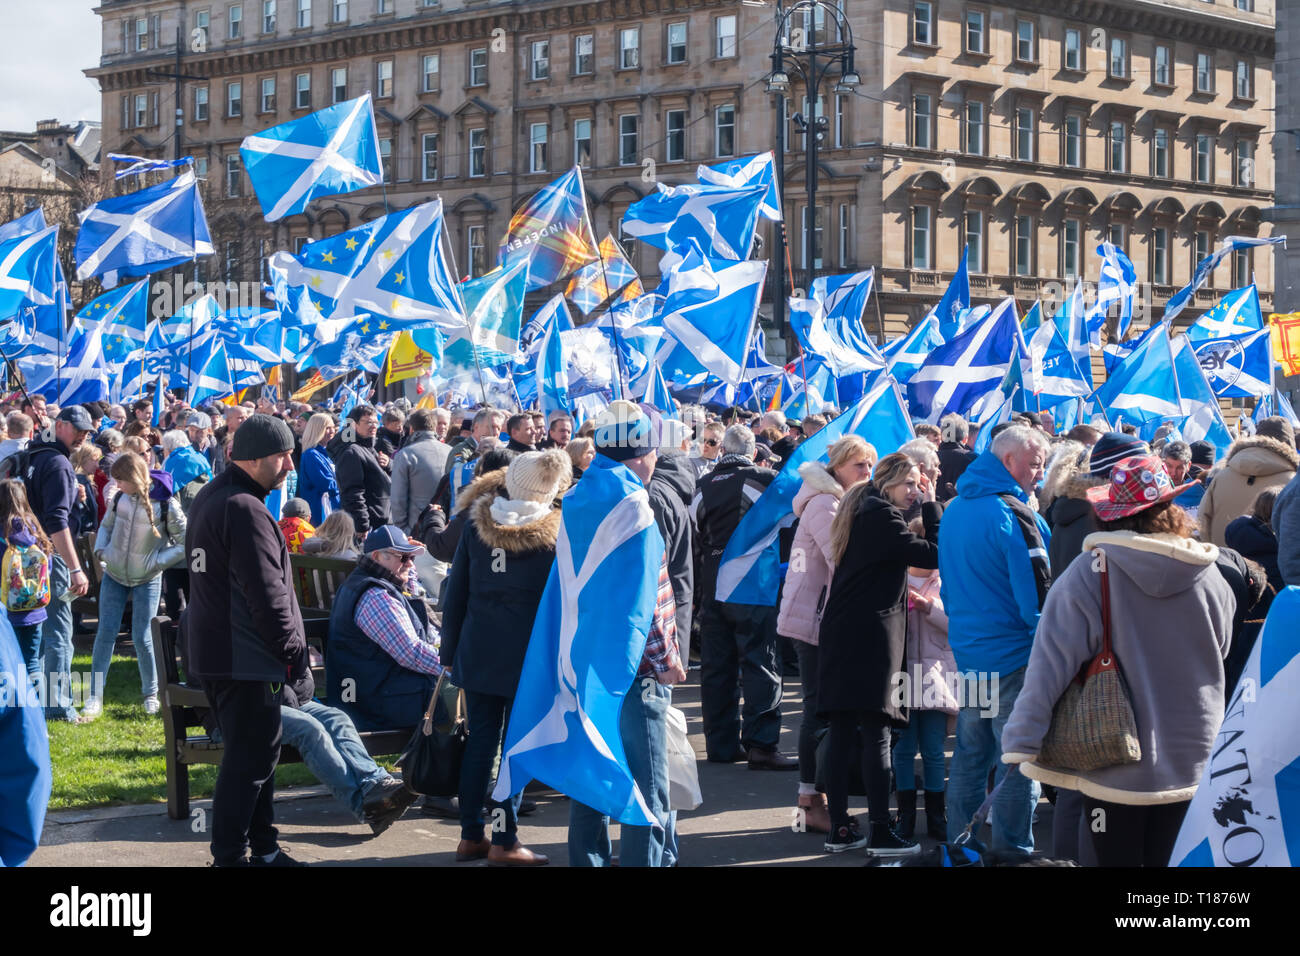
x=807 y=582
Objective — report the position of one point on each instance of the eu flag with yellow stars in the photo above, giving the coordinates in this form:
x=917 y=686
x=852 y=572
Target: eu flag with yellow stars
x=551 y=232
x=120 y=316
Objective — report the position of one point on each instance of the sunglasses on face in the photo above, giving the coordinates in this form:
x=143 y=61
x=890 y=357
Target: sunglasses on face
x=403 y=558
x=710 y=442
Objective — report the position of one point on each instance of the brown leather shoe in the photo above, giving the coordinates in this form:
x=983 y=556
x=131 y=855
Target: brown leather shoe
x=517 y=855
x=467 y=850
x=773 y=759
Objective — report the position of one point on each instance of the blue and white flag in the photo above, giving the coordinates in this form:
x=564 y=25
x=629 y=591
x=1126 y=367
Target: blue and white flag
x=552 y=364
x=1056 y=375
x=1245 y=811
x=718 y=220
x=829 y=325
x=28 y=271
x=1183 y=297
x=1118 y=283
x=1072 y=321
x=24 y=225
x=1237 y=313
x=812 y=392
x=581 y=658
x=360 y=344
x=746 y=173
x=1285 y=410
x=957 y=374
x=635 y=330
x=144 y=231
x=908 y=353
x=1239 y=365
x=956 y=299
x=991 y=414
x=750 y=571
x=657 y=395
x=85 y=374
x=334 y=150
x=201 y=365
x=1143 y=385
x=1202 y=418
x=141 y=164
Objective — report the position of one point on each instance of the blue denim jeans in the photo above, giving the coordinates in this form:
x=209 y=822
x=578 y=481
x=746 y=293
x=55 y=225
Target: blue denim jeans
x=56 y=646
x=112 y=605
x=643 y=726
x=979 y=748
x=29 y=645
x=927 y=729
x=489 y=715
x=328 y=743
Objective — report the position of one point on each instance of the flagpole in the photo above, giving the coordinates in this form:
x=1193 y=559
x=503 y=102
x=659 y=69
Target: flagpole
x=613 y=323
x=22 y=385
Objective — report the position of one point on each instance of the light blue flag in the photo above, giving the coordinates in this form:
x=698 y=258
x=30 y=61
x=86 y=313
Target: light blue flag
x=1055 y=375
x=956 y=298
x=1237 y=313
x=27 y=271
x=746 y=173
x=1202 y=418
x=1285 y=410
x=750 y=570
x=141 y=164
x=120 y=319
x=1183 y=297
x=1239 y=365
x=24 y=225
x=1072 y=321
x=331 y=151
x=635 y=330
x=85 y=374
x=821 y=393
x=204 y=371
x=261 y=333
x=581 y=658
x=657 y=395
x=957 y=374
x=1143 y=385
x=1118 y=283
x=844 y=297
x=392 y=267
x=717 y=220
x=994 y=413
x=360 y=344
x=37 y=330
x=1033 y=320
x=552 y=365
x=494 y=309
x=1245 y=811
x=908 y=353
x=144 y=231
x=830 y=327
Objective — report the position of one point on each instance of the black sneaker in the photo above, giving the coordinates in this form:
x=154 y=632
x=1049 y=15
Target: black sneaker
x=845 y=838
x=280 y=859
x=886 y=842
x=386 y=804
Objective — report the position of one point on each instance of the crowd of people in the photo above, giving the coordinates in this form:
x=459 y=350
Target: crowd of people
x=928 y=592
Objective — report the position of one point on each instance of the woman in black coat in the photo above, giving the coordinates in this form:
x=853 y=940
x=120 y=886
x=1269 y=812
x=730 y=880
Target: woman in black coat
x=863 y=641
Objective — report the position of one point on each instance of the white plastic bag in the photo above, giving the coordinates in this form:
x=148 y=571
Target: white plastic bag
x=683 y=777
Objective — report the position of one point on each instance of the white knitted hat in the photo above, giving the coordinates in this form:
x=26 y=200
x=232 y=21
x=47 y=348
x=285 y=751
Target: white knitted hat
x=538 y=475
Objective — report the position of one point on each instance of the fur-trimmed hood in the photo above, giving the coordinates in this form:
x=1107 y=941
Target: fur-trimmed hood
x=536 y=535
x=1063 y=467
x=1257 y=455
x=816 y=481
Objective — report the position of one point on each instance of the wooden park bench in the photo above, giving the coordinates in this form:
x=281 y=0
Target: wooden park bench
x=88 y=603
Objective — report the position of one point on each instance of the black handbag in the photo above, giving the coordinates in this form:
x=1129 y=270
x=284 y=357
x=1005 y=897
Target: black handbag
x=432 y=758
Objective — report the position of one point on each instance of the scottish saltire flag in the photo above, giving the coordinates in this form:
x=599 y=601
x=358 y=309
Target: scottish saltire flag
x=205 y=373
x=1072 y=321
x=840 y=343
x=992 y=413
x=1202 y=418
x=24 y=225
x=1245 y=810
x=581 y=659
x=1118 y=283
x=593 y=284
x=331 y=151
x=1056 y=376
x=191 y=319
x=1285 y=410
x=956 y=298
x=906 y=354
x=552 y=364
x=1143 y=385
x=85 y=373
x=708 y=311
x=1239 y=365
x=392 y=267
x=658 y=396
x=361 y=344
x=27 y=270
x=718 y=220
x=747 y=173
x=750 y=572
x=142 y=232
x=844 y=297
x=141 y=164
x=1237 y=313
x=1183 y=297
x=955 y=375
x=635 y=330
x=757 y=372
x=494 y=309
x=551 y=233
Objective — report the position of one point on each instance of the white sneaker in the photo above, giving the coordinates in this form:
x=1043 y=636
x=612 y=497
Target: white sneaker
x=151 y=704
x=93 y=709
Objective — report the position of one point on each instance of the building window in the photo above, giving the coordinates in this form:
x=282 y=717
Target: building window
x=922 y=120
x=384 y=79
x=429 y=156
x=234 y=182
x=201 y=20
x=1118 y=147
x=724 y=45
x=431 y=64
x=1243 y=163
x=477 y=242
x=235 y=21
x=582 y=142
x=839 y=121
x=1070 y=232
x=1204 y=73
x=478 y=67
x=538 y=138
x=674 y=135
x=816 y=261
x=583 y=54
x=200 y=103
x=1160 y=255
x=141 y=34
x=268 y=16
x=1118 y=66
x=1204 y=158
x=629 y=48
x=1242 y=268
x=340 y=11
x=386 y=158
x=540 y=60
x=1072 y=59
x=724 y=130
x=1162 y=73
x=628 y=146
x=267 y=102
x=1026 y=42
x=302 y=91
x=975 y=124
x=234 y=99
x=477 y=152
x=1246 y=5
x=923 y=23
x=304 y=14
x=1024 y=247
x=1160 y=138
x=921 y=237
x=676 y=43
x=338 y=84
x=141 y=110
x=1117 y=236
x=846 y=234
x=201 y=167
x=1025 y=134
x=1245 y=86
x=974 y=225
x=1201 y=249
x=1073 y=141
x=976 y=32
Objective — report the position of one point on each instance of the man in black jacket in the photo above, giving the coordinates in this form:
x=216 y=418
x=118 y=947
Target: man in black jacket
x=671 y=488
x=243 y=635
x=520 y=429
x=735 y=636
x=954 y=454
x=364 y=485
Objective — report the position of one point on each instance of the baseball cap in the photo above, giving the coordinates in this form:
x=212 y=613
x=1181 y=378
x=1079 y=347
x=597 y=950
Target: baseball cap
x=77 y=417
x=198 y=420
x=390 y=538
x=1136 y=484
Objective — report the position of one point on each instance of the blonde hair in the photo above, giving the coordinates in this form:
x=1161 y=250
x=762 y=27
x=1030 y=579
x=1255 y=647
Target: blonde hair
x=86 y=458
x=577 y=448
x=335 y=533
x=129 y=466
x=892 y=470
x=313 y=434
x=889 y=471
x=848 y=448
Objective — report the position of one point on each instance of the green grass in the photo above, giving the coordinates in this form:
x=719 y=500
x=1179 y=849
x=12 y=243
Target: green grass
x=118 y=759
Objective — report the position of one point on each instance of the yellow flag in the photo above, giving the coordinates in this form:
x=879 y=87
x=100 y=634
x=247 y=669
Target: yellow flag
x=273 y=376
x=1286 y=341
x=316 y=383
x=406 y=359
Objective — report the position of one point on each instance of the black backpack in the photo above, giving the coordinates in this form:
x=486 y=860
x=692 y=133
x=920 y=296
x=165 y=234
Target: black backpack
x=19 y=464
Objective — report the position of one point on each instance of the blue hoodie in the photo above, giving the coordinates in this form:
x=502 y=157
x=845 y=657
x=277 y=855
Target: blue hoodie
x=988 y=587
x=185 y=464
x=25 y=777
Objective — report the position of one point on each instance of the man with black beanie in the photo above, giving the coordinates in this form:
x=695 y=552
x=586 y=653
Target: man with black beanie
x=243 y=635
